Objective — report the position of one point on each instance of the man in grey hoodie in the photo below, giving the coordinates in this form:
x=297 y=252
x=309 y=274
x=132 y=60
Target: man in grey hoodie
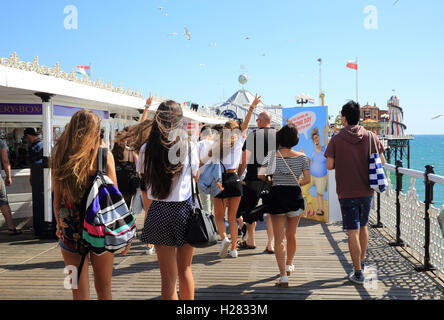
x=348 y=153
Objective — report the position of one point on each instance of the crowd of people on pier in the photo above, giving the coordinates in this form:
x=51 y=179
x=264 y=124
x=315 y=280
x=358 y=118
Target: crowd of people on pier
x=152 y=163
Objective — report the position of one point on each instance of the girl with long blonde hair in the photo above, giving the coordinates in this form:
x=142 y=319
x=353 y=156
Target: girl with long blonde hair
x=228 y=150
x=74 y=166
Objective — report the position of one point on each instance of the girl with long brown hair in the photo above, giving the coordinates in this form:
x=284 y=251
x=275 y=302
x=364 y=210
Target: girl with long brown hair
x=74 y=166
x=165 y=163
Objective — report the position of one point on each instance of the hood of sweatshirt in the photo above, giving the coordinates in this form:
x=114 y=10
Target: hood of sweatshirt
x=353 y=134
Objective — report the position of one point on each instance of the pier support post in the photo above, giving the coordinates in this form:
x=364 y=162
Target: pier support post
x=47 y=139
x=428 y=201
x=378 y=212
x=398 y=242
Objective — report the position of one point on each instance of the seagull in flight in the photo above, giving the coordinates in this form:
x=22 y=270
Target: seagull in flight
x=212 y=44
x=247 y=38
x=440 y=115
x=396 y=1
x=160 y=8
x=187 y=33
x=172 y=34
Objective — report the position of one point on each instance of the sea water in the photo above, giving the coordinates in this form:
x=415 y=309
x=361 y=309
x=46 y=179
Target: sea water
x=425 y=150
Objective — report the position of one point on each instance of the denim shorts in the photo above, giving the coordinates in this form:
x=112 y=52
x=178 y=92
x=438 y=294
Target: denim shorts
x=292 y=214
x=355 y=212
x=65 y=248
x=3 y=193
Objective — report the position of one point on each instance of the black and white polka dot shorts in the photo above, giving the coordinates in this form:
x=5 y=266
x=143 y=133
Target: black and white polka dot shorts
x=167 y=223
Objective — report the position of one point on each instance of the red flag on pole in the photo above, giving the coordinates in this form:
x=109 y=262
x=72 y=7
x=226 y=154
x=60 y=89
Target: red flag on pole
x=352 y=65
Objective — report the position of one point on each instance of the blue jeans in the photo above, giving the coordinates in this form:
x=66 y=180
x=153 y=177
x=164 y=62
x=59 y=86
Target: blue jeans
x=355 y=212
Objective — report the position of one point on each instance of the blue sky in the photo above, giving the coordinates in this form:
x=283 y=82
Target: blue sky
x=127 y=42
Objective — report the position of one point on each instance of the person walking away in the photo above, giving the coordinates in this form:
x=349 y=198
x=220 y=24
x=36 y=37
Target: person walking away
x=206 y=143
x=257 y=146
x=348 y=154
x=165 y=167
x=74 y=166
x=286 y=202
x=7 y=181
x=229 y=151
x=125 y=162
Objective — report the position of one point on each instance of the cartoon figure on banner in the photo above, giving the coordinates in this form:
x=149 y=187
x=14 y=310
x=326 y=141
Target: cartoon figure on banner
x=309 y=120
x=318 y=170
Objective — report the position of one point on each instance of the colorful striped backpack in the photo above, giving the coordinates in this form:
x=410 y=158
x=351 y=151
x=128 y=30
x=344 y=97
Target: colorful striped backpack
x=109 y=225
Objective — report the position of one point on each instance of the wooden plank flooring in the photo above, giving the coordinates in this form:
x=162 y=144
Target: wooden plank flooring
x=33 y=270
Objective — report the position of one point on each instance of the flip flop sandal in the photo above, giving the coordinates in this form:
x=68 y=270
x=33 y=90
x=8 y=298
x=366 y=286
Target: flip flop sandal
x=244 y=245
x=15 y=232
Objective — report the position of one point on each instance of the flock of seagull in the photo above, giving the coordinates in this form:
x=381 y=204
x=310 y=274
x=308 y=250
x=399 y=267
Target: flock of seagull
x=188 y=35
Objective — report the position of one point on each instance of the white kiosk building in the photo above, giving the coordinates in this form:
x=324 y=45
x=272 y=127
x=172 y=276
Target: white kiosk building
x=45 y=98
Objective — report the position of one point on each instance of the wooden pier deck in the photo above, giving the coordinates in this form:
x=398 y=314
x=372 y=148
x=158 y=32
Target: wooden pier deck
x=33 y=270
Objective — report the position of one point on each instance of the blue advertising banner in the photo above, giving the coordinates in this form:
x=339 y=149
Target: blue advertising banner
x=312 y=125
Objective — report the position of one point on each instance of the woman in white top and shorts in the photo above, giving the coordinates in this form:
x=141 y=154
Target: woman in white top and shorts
x=165 y=167
x=285 y=200
x=229 y=147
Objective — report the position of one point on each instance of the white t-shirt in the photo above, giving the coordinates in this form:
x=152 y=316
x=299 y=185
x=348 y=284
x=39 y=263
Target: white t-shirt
x=233 y=160
x=230 y=161
x=181 y=186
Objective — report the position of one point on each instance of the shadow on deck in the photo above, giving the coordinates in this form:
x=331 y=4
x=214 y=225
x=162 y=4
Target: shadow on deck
x=33 y=269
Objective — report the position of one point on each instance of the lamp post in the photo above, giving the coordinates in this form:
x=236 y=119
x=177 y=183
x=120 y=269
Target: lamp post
x=321 y=93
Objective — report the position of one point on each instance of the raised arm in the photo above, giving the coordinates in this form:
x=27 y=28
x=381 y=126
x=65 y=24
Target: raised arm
x=6 y=166
x=325 y=135
x=149 y=101
x=249 y=114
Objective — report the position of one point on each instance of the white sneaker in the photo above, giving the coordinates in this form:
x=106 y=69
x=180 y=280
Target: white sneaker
x=233 y=253
x=224 y=248
x=149 y=250
x=282 y=282
x=289 y=269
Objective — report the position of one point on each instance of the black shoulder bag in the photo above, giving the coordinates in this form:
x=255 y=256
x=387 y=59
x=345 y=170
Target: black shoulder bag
x=202 y=232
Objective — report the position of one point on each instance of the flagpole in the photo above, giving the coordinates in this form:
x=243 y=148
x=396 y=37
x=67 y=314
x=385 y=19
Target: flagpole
x=357 y=66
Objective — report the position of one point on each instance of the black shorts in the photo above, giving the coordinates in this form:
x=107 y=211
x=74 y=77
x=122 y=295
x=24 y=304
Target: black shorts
x=232 y=186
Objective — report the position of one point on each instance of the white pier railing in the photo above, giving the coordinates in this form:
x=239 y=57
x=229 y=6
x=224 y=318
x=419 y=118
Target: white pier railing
x=410 y=220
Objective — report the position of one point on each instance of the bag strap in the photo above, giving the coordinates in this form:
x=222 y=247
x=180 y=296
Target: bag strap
x=102 y=159
x=82 y=262
x=372 y=140
x=295 y=178
x=225 y=169
x=194 y=193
